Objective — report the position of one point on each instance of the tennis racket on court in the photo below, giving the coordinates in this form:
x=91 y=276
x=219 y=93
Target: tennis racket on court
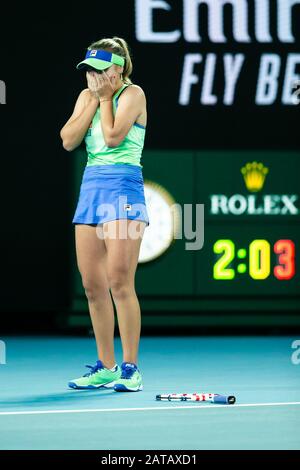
x=210 y=397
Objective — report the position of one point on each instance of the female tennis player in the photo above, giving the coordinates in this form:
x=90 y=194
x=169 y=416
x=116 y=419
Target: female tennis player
x=111 y=214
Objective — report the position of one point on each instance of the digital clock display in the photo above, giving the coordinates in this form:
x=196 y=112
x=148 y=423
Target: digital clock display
x=255 y=260
x=248 y=260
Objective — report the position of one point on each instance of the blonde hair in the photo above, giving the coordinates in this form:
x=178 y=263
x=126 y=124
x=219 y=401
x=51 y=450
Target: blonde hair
x=117 y=46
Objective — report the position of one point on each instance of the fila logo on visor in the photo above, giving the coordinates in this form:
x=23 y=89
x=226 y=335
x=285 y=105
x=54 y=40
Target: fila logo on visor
x=93 y=53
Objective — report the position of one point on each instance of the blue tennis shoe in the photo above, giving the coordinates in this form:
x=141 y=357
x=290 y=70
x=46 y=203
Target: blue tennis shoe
x=130 y=380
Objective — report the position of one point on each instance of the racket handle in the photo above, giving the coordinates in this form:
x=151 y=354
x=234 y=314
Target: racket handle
x=224 y=399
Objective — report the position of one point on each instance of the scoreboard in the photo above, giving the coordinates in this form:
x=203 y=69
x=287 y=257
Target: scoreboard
x=252 y=223
x=251 y=226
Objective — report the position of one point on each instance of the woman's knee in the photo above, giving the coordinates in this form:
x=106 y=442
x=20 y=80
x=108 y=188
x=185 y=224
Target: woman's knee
x=94 y=290
x=120 y=283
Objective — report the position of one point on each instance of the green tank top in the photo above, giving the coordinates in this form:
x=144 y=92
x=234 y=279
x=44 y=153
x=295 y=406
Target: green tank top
x=128 y=151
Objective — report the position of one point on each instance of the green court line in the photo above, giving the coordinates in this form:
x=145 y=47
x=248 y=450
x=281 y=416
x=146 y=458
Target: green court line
x=157 y=408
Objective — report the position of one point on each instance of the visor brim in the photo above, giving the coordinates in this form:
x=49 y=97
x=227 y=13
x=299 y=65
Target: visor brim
x=95 y=63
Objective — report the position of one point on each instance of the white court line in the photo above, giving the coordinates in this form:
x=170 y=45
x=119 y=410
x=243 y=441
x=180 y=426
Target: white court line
x=152 y=408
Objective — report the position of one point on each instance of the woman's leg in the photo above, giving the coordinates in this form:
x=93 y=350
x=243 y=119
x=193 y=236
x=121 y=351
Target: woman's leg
x=91 y=259
x=123 y=239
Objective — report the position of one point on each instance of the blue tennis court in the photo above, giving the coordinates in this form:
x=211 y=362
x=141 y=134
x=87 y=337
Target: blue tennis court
x=38 y=411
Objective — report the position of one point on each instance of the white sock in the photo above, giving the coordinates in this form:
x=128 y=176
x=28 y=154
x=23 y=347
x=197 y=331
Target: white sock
x=113 y=369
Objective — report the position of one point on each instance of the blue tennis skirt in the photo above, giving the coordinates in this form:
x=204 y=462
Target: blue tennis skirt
x=110 y=192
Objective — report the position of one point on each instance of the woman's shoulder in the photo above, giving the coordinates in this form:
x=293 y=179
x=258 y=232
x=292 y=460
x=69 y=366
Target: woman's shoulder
x=86 y=92
x=84 y=95
x=134 y=88
x=135 y=91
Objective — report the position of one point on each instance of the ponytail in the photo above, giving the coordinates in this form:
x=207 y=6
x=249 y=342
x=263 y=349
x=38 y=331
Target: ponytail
x=128 y=63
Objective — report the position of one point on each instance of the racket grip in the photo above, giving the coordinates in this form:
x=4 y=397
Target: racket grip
x=224 y=399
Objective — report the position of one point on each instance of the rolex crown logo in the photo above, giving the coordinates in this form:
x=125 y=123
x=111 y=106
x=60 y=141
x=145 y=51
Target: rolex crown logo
x=254 y=175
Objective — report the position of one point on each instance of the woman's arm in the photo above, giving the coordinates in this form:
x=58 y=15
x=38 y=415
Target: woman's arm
x=76 y=127
x=130 y=106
